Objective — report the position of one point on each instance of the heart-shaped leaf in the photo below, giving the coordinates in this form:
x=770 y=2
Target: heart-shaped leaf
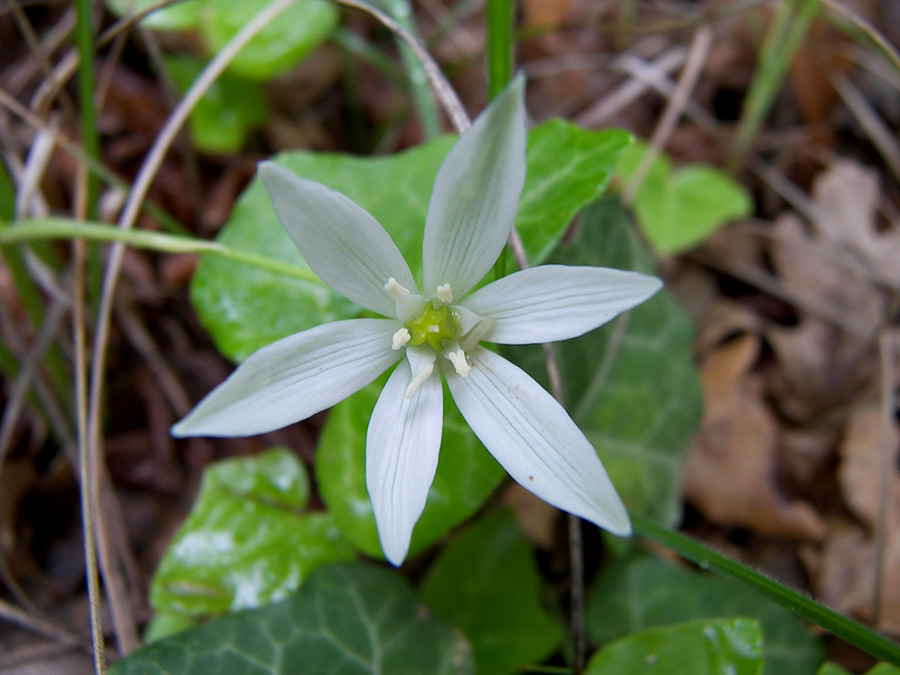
x=642 y=591
x=486 y=583
x=229 y=109
x=277 y=47
x=179 y=16
x=247 y=541
x=346 y=619
x=677 y=209
x=713 y=647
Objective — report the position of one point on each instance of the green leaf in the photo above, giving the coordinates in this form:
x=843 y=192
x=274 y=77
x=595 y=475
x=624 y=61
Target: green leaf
x=486 y=583
x=180 y=16
x=466 y=474
x=678 y=209
x=717 y=647
x=568 y=167
x=630 y=386
x=280 y=45
x=346 y=619
x=880 y=669
x=246 y=541
x=230 y=108
x=245 y=308
x=642 y=591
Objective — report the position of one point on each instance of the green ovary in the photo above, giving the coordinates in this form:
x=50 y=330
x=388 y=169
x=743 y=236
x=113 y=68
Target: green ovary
x=433 y=326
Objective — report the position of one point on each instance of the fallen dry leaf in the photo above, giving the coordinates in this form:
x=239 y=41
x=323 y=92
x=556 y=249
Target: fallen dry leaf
x=732 y=467
x=846 y=196
x=845 y=574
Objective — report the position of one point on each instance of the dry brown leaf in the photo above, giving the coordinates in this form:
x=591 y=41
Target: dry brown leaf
x=846 y=198
x=862 y=459
x=821 y=369
x=731 y=469
x=536 y=518
x=846 y=575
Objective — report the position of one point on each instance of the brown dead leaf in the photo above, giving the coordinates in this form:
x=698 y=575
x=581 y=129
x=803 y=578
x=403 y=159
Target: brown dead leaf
x=821 y=369
x=845 y=577
x=862 y=459
x=731 y=469
x=846 y=198
x=536 y=518
x=820 y=276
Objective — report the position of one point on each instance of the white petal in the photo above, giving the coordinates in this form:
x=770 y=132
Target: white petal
x=535 y=440
x=557 y=302
x=402 y=446
x=475 y=196
x=293 y=378
x=340 y=241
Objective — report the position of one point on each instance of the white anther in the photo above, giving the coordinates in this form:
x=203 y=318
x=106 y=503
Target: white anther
x=397 y=291
x=420 y=377
x=458 y=359
x=444 y=294
x=400 y=339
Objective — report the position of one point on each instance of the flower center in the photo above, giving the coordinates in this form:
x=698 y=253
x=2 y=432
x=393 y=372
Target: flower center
x=433 y=326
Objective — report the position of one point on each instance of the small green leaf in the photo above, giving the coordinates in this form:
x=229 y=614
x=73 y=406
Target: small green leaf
x=180 y=16
x=346 y=619
x=466 y=474
x=642 y=591
x=880 y=669
x=631 y=385
x=280 y=45
x=832 y=669
x=678 y=209
x=568 y=167
x=246 y=541
x=716 y=647
x=230 y=108
x=487 y=584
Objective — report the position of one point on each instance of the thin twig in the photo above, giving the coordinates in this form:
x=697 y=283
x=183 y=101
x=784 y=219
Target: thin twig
x=888 y=408
x=882 y=137
x=442 y=89
x=87 y=469
x=41 y=626
x=696 y=59
x=873 y=34
x=123 y=621
x=64 y=70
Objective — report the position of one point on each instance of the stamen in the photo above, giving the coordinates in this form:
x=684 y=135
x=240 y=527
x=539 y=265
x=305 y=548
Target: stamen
x=420 y=377
x=400 y=339
x=397 y=291
x=458 y=359
x=444 y=294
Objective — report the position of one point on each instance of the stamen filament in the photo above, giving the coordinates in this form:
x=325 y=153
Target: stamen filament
x=400 y=339
x=420 y=377
x=458 y=359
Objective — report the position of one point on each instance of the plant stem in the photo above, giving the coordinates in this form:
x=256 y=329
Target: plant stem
x=500 y=40
x=84 y=40
x=62 y=228
x=804 y=607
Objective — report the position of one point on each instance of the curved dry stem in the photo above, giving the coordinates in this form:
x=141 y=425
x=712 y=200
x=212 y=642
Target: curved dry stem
x=129 y=215
x=442 y=89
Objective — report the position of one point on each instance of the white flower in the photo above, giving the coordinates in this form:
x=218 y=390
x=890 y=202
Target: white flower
x=437 y=330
